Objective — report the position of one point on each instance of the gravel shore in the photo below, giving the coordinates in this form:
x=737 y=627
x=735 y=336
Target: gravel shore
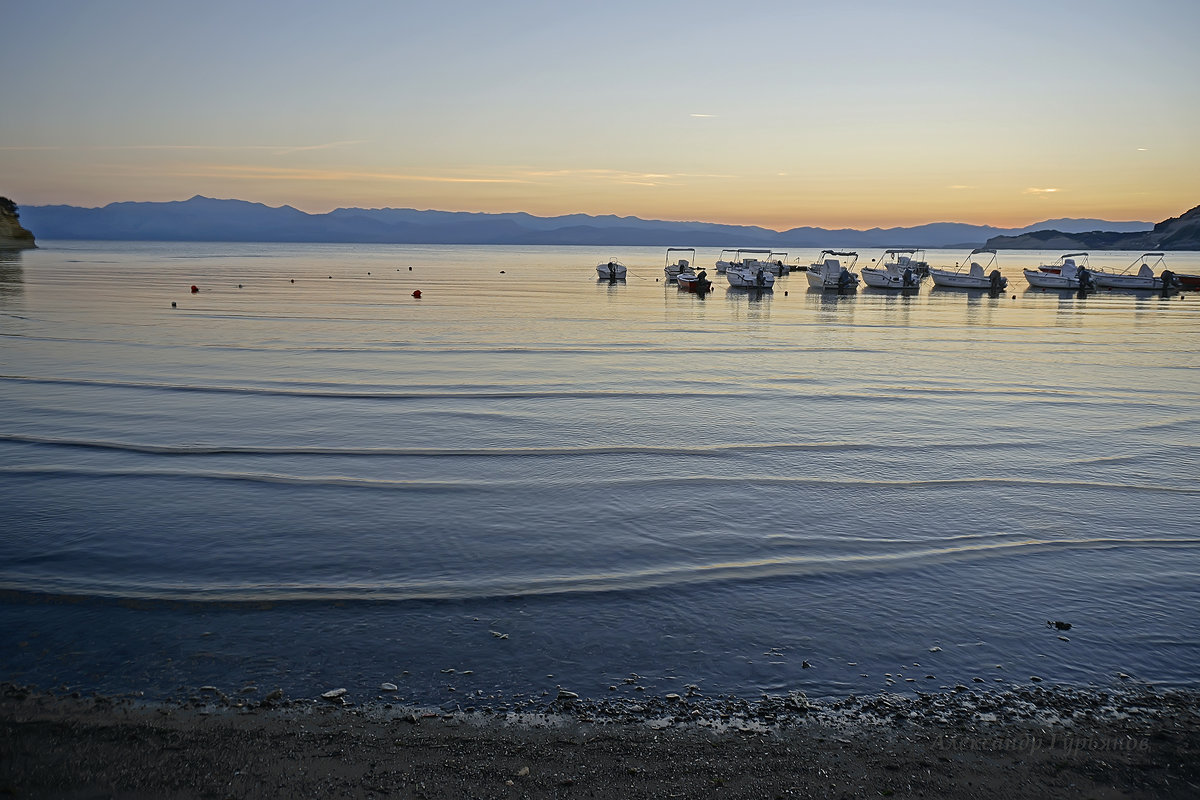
x=1032 y=742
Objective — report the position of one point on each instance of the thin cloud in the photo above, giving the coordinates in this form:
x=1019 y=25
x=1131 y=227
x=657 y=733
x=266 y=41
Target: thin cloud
x=281 y=149
x=703 y=116
x=1032 y=190
x=241 y=172
x=959 y=186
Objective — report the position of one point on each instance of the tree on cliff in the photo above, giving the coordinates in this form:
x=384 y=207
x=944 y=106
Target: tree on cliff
x=12 y=235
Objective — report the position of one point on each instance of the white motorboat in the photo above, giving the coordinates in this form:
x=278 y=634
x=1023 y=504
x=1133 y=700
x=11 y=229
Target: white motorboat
x=750 y=274
x=972 y=275
x=1144 y=278
x=1065 y=273
x=742 y=257
x=830 y=273
x=723 y=261
x=897 y=269
x=777 y=263
x=612 y=270
x=672 y=270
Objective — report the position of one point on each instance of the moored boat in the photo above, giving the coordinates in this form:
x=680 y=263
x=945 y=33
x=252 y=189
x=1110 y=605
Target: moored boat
x=612 y=270
x=830 y=273
x=672 y=270
x=750 y=274
x=904 y=270
x=777 y=263
x=1143 y=278
x=972 y=275
x=691 y=280
x=1065 y=273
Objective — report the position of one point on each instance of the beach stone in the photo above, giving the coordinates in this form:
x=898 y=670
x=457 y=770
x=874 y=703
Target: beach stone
x=388 y=687
x=334 y=694
x=276 y=694
x=566 y=696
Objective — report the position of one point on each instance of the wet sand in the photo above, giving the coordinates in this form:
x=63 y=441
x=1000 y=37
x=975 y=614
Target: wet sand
x=1028 y=743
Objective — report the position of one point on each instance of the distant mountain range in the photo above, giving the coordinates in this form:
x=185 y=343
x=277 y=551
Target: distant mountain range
x=206 y=219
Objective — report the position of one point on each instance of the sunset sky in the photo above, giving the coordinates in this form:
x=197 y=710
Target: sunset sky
x=779 y=114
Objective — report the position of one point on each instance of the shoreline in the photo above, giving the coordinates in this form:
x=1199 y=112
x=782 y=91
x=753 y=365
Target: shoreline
x=1029 y=742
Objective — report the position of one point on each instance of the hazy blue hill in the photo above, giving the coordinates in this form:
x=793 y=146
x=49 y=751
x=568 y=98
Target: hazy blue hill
x=1176 y=233
x=206 y=219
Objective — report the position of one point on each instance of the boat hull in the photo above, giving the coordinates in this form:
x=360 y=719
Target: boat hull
x=1107 y=280
x=611 y=272
x=744 y=279
x=886 y=279
x=1049 y=280
x=961 y=280
x=817 y=279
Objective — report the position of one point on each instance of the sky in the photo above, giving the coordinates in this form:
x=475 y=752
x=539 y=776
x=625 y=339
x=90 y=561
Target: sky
x=859 y=113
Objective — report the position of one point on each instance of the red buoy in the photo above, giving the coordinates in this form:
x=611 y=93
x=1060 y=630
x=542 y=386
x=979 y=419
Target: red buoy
x=195 y=289
x=417 y=293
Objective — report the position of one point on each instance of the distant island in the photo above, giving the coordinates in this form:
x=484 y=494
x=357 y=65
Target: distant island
x=1176 y=233
x=12 y=235
x=206 y=219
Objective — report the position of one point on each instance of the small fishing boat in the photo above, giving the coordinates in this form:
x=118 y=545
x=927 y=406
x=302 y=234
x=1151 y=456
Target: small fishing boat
x=830 y=273
x=1064 y=273
x=972 y=275
x=777 y=263
x=742 y=257
x=691 y=280
x=904 y=270
x=673 y=269
x=750 y=274
x=613 y=270
x=723 y=261
x=1144 y=278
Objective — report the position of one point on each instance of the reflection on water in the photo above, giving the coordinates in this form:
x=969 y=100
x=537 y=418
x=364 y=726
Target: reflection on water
x=12 y=278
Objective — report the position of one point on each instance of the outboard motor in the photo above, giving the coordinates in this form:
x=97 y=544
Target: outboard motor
x=759 y=279
x=908 y=278
x=845 y=280
x=1086 y=284
x=612 y=272
x=996 y=283
x=1168 y=282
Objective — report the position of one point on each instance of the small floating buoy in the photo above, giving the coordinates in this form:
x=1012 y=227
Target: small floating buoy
x=1014 y=297
x=501 y=272
x=239 y=286
x=785 y=294
x=195 y=289
x=410 y=269
x=293 y=280
x=368 y=273
x=417 y=293
x=173 y=304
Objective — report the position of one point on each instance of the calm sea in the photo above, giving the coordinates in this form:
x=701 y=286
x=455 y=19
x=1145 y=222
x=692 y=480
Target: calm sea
x=301 y=476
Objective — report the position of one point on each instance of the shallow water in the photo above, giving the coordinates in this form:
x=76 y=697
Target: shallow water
x=302 y=476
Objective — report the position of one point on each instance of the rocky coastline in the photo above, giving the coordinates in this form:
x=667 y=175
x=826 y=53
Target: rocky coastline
x=12 y=235
x=1176 y=233
x=1028 y=742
